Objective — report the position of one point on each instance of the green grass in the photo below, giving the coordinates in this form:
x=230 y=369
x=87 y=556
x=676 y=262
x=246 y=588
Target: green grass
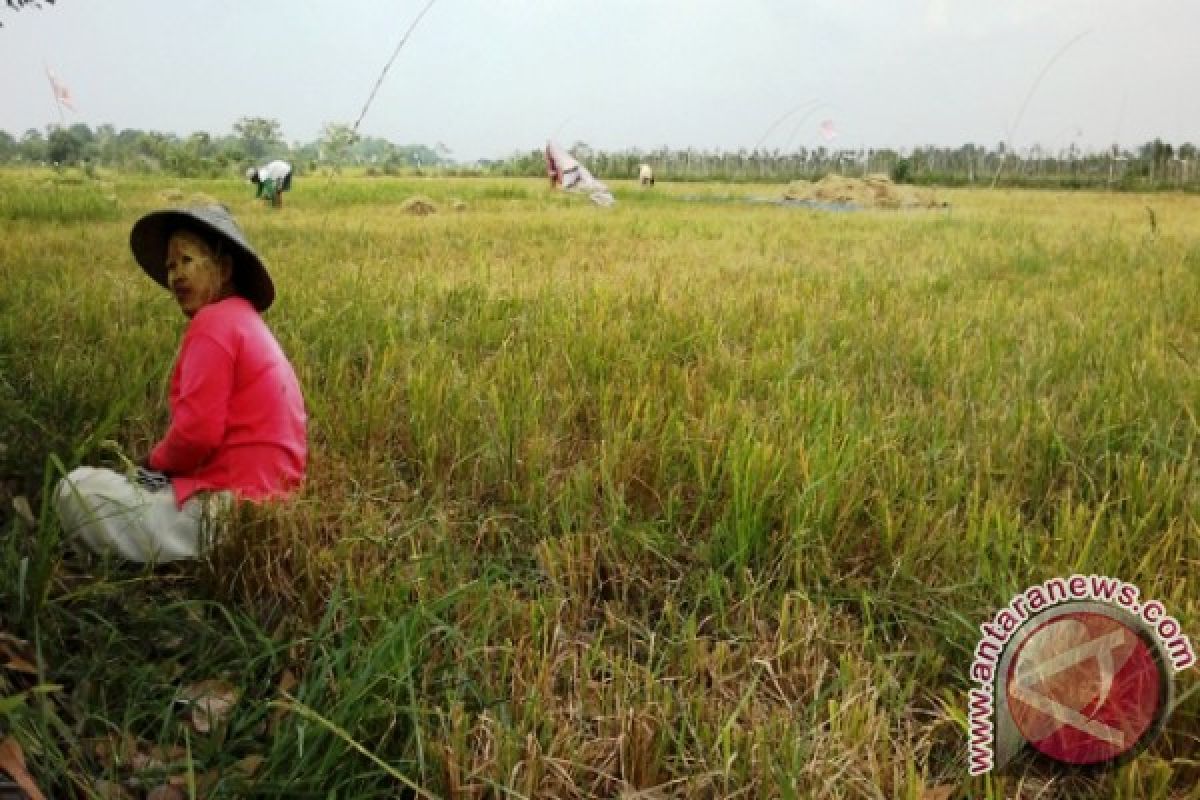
x=708 y=497
x=58 y=199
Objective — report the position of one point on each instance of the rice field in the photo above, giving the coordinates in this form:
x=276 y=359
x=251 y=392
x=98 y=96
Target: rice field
x=673 y=499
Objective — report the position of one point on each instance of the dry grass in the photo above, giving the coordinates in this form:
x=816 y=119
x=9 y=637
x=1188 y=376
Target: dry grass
x=872 y=191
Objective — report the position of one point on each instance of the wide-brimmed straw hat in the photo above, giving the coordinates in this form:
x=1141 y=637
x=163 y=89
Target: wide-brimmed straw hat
x=149 y=236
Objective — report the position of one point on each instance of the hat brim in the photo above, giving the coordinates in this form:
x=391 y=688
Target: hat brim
x=150 y=235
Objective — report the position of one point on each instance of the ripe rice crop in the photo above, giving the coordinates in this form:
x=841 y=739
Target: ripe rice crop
x=688 y=499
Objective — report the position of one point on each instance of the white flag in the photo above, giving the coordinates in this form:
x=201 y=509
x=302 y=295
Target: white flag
x=62 y=95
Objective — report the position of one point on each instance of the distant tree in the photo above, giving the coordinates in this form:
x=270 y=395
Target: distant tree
x=199 y=145
x=336 y=141
x=104 y=146
x=260 y=136
x=8 y=147
x=63 y=147
x=308 y=154
x=33 y=145
x=194 y=156
x=126 y=144
x=229 y=150
x=1157 y=153
x=82 y=132
x=151 y=150
x=418 y=154
x=372 y=150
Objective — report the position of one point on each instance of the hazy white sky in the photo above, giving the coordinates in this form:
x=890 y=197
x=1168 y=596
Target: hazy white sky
x=487 y=77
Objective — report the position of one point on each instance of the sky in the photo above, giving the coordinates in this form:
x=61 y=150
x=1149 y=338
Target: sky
x=487 y=78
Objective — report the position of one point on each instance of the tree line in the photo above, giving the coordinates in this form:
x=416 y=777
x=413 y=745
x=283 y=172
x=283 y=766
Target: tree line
x=253 y=140
x=1154 y=165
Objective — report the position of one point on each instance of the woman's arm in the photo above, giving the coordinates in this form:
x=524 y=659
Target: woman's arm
x=201 y=409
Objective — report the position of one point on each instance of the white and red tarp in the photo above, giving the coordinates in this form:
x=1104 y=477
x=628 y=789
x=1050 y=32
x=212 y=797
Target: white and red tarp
x=568 y=174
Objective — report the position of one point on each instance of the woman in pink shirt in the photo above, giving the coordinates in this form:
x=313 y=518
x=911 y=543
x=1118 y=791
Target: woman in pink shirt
x=237 y=415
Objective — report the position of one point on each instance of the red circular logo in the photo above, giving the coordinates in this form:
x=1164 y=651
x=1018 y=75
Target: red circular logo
x=1084 y=688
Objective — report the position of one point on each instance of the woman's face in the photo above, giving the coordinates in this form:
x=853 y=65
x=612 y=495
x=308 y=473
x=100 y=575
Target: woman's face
x=194 y=273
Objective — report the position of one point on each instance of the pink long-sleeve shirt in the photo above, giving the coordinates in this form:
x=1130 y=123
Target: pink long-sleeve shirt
x=237 y=415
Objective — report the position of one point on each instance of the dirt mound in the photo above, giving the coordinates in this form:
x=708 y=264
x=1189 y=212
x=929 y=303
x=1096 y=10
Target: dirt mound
x=873 y=191
x=418 y=205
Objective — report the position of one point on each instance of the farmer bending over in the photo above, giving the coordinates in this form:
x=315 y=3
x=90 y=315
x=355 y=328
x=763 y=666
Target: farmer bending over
x=237 y=426
x=272 y=181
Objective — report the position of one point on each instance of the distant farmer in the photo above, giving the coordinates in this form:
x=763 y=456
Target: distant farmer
x=562 y=170
x=238 y=426
x=272 y=181
x=645 y=175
